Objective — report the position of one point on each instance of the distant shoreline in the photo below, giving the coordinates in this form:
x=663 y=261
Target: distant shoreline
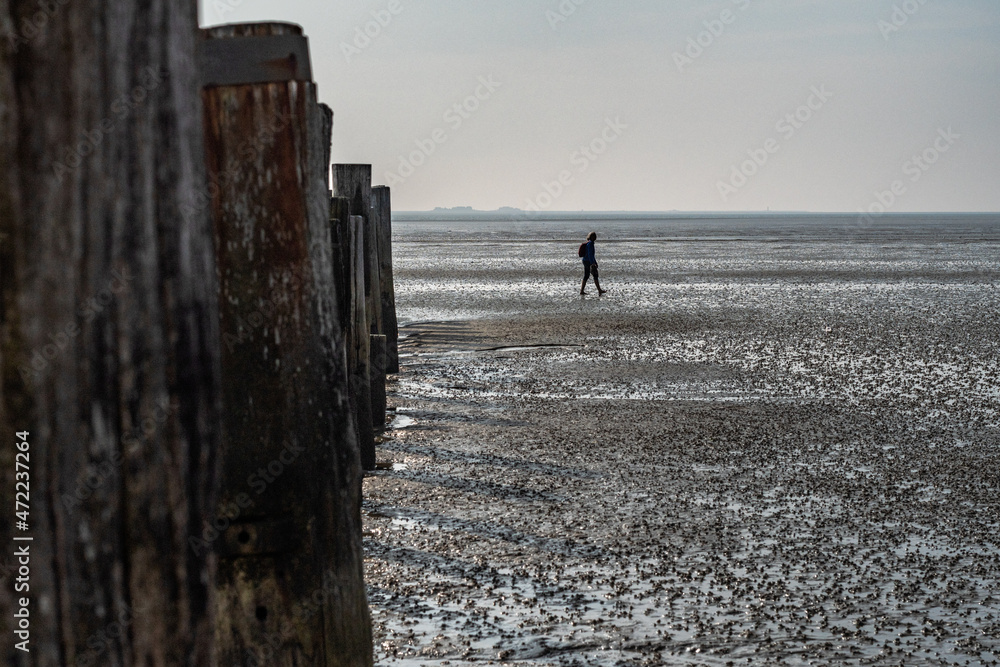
x=463 y=215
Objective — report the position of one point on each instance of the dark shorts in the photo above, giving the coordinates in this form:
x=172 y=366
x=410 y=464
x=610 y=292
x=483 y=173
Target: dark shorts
x=590 y=270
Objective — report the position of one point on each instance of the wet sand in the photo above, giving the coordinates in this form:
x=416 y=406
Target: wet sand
x=778 y=451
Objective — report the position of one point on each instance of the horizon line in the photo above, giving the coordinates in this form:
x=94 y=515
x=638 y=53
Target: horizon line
x=467 y=210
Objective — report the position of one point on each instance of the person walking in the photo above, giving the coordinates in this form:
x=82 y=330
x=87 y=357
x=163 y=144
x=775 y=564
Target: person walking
x=590 y=265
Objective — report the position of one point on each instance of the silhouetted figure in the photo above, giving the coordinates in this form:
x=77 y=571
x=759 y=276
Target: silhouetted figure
x=590 y=265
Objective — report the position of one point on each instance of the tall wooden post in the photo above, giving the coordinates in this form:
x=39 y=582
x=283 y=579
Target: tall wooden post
x=340 y=221
x=109 y=352
x=382 y=217
x=291 y=590
x=348 y=237
x=378 y=357
x=361 y=341
x=354 y=182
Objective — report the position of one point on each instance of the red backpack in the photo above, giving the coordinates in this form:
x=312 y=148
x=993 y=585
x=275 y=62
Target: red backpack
x=582 y=252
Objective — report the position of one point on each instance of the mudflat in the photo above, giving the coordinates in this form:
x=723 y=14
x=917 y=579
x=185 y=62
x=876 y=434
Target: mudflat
x=778 y=446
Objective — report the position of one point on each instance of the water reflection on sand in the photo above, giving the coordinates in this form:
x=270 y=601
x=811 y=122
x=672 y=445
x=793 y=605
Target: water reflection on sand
x=781 y=449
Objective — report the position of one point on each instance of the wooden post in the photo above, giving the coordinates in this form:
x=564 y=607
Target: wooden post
x=382 y=216
x=378 y=364
x=340 y=221
x=361 y=375
x=354 y=182
x=109 y=352
x=290 y=589
x=373 y=299
x=348 y=237
x=327 y=131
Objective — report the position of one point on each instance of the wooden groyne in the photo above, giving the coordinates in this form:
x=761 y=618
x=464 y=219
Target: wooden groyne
x=198 y=437
x=109 y=338
x=304 y=379
x=289 y=445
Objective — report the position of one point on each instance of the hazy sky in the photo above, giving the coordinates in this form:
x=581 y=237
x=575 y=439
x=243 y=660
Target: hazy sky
x=818 y=105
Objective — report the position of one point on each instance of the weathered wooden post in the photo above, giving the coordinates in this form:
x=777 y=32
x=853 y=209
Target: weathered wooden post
x=354 y=182
x=382 y=218
x=109 y=351
x=361 y=342
x=327 y=131
x=348 y=237
x=290 y=584
x=340 y=220
x=373 y=310
x=379 y=357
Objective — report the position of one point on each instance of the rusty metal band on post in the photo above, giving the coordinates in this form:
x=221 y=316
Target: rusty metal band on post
x=259 y=59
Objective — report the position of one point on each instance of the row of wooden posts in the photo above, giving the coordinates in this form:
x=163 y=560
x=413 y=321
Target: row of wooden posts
x=366 y=295
x=198 y=439
x=311 y=274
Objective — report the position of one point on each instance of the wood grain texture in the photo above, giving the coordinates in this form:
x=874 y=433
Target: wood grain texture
x=348 y=250
x=291 y=590
x=361 y=341
x=340 y=220
x=378 y=358
x=382 y=217
x=353 y=182
x=108 y=330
